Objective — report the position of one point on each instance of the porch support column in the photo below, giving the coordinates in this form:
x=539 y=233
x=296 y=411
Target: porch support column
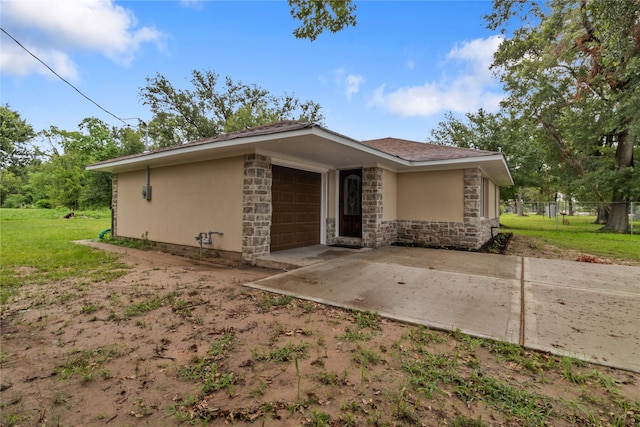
x=372 y=233
x=257 y=208
x=477 y=228
x=114 y=205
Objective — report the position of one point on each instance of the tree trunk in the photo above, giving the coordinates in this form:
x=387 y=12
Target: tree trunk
x=619 y=217
x=519 y=206
x=618 y=220
x=571 y=212
x=602 y=214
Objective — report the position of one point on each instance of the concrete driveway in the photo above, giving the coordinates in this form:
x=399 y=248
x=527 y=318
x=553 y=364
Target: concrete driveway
x=587 y=311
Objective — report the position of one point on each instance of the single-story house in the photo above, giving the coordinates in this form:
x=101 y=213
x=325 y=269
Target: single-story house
x=292 y=184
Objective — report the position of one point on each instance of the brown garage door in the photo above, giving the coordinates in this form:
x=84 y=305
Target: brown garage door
x=296 y=208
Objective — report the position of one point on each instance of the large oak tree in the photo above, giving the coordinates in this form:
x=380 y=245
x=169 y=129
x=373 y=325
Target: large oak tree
x=573 y=69
x=213 y=107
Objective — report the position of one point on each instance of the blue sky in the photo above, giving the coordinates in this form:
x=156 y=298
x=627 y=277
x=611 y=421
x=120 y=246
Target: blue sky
x=397 y=73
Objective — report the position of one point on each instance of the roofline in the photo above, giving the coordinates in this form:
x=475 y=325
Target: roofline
x=435 y=163
x=315 y=130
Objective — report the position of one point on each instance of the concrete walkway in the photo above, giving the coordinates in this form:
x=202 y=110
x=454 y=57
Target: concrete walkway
x=587 y=311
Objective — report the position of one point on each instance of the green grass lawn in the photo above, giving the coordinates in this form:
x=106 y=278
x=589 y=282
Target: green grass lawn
x=36 y=246
x=579 y=234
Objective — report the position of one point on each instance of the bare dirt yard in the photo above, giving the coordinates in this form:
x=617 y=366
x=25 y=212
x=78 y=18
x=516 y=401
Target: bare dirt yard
x=178 y=342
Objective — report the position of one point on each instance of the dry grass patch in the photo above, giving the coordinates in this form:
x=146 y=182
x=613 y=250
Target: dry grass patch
x=176 y=343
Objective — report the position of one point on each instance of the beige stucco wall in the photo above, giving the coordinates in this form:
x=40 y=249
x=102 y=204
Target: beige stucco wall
x=431 y=196
x=331 y=193
x=186 y=199
x=389 y=195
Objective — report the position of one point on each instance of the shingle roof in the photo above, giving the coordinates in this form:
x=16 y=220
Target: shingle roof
x=401 y=148
x=268 y=129
x=420 y=151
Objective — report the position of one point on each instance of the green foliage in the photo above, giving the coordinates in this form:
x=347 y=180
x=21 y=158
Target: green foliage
x=319 y=419
x=354 y=334
x=15 y=133
x=221 y=347
x=283 y=354
x=570 y=72
x=208 y=370
x=212 y=107
x=86 y=362
x=365 y=319
x=142 y=307
x=269 y=301
x=423 y=336
x=58 y=177
x=10 y=419
x=63 y=180
x=10 y=188
x=530 y=159
x=17 y=154
x=433 y=372
x=317 y=16
x=14 y=201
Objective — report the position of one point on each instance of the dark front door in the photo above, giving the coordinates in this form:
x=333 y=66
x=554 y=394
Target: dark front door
x=350 y=203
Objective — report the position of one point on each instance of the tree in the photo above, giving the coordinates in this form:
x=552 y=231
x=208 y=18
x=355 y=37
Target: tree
x=530 y=162
x=320 y=15
x=212 y=107
x=16 y=154
x=131 y=141
x=63 y=180
x=572 y=70
x=15 y=133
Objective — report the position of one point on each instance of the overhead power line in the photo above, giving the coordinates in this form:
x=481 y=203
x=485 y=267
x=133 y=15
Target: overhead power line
x=62 y=78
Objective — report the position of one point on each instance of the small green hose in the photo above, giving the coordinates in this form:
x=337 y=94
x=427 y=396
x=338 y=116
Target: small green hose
x=103 y=232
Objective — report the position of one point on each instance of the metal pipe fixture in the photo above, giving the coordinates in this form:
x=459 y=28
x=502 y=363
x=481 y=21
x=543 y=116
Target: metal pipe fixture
x=204 y=237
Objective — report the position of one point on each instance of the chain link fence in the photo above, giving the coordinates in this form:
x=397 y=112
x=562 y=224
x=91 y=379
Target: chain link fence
x=563 y=210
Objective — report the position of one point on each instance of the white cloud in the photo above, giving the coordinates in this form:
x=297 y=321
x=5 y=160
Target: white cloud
x=193 y=4
x=477 y=53
x=57 y=28
x=353 y=84
x=471 y=88
x=350 y=82
x=18 y=62
x=410 y=64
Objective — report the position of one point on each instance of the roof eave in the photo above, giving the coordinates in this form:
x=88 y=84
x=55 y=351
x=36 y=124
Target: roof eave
x=142 y=160
x=494 y=164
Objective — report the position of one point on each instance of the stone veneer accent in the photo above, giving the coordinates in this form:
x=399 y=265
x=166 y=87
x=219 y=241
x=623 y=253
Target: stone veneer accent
x=330 y=231
x=114 y=205
x=389 y=232
x=471 y=233
x=372 y=235
x=256 y=209
x=477 y=229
